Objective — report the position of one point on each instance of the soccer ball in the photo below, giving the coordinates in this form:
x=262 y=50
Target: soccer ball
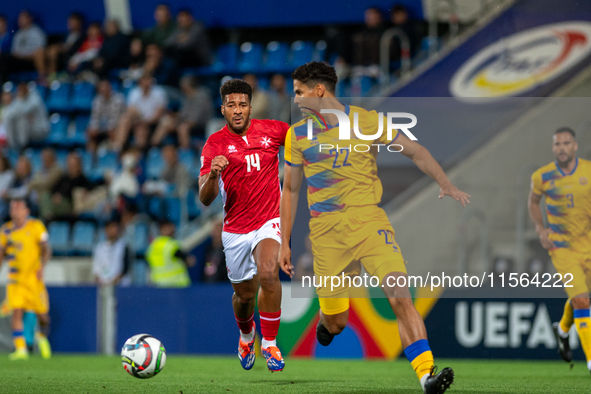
x=143 y=356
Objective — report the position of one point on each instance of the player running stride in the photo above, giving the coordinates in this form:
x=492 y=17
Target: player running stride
x=240 y=161
x=23 y=243
x=347 y=227
x=565 y=184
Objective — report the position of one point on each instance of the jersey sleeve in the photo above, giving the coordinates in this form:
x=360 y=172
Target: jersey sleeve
x=369 y=125
x=207 y=155
x=282 y=130
x=536 y=183
x=293 y=156
x=3 y=238
x=384 y=139
x=42 y=234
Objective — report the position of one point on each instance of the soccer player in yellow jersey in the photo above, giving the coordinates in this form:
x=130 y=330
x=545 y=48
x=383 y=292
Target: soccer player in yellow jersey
x=566 y=185
x=347 y=228
x=24 y=245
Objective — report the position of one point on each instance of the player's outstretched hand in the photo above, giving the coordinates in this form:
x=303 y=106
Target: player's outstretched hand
x=455 y=193
x=285 y=260
x=544 y=240
x=218 y=164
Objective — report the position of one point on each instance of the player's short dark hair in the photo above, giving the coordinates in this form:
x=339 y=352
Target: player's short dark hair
x=236 y=86
x=565 y=130
x=165 y=222
x=113 y=220
x=185 y=11
x=19 y=199
x=314 y=73
x=78 y=16
x=398 y=8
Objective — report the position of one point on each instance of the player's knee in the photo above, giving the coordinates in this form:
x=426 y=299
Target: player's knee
x=400 y=304
x=335 y=327
x=245 y=297
x=268 y=278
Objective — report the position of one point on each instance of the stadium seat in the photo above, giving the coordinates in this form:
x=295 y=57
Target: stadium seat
x=84 y=237
x=34 y=157
x=192 y=208
x=155 y=207
x=319 y=51
x=78 y=138
x=277 y=57
x=59 y=237
x=141 y=238
x=87 y=162
x=187 y=158
x=107 y=161
x=59 y=96
x=140 y=273
x=226 y=58
x=62 y=157
x=82 y=95
x=172 y=207
x=154 y=163
x=301 y=53
x=252 y=57
x=59 y=129
x=13 y=157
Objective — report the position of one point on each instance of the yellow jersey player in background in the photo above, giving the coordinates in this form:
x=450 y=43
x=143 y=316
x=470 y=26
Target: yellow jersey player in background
x=347 y=228
x=566 y=185
x=24 y=245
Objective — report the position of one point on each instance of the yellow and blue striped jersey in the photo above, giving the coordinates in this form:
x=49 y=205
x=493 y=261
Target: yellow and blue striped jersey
x=339 y=173
x=21 y=246
x=568 y=203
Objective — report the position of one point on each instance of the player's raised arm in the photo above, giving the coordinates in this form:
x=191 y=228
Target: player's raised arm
x=208 y=183
x=426 y=163
x=292 y=182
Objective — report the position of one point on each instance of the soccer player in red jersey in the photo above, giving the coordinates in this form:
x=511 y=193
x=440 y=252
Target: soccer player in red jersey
x=240 y=161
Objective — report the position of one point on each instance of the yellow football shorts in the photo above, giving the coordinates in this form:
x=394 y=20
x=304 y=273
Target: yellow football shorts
x=30 y=295
x=567 y=261
x=342 y=242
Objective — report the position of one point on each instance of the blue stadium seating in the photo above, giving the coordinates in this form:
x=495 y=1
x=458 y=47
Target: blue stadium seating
x=192 y=208
x=78 y=138
x=107 y=161
x=226 y=58
x=320 y=51
x=172 y=207
x=59 y=97
x=82 y=95
x=301 y=53
x=154 y=163
x=59 y=237
x=13 y=157
x=83 y=237
x=59 y=128
x=141 y=238
x=155 y=207
x=251 y=60
x=34 y=157
x=277 y=57
x=87 y=161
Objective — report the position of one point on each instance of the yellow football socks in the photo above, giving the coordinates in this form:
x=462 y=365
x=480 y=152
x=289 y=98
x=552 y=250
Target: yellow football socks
x=583 y=326
x=567 y=319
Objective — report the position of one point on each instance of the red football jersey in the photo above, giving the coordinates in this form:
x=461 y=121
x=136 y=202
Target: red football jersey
x=249 y=186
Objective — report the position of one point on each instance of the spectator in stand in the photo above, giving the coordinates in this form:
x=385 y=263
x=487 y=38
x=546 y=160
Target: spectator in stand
x=114 y=52
x=25 y=119
x=146 y=104
x=60 y=202
x=414 y=30
x=6 y=179
x=27 y=52
x=19 y=188
x=214 y=265
x=174 y=179
x=107 y=108
x=5 y=101
x=58 y=55
x=260 y=99
x=196 y=110
x=111 y=257
x=89 y=49
x=189 y=44
x=168 y=263
x=366 y=44
x=162 y=68
x=280 y=100
x=163 y=29
x=5 y=35
x=49 y=175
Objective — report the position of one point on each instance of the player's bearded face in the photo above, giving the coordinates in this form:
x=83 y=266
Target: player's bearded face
x=236 y=109
x=564 y=148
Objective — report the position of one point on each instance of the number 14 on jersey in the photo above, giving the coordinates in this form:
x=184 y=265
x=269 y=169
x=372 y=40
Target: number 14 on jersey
x=253 y=161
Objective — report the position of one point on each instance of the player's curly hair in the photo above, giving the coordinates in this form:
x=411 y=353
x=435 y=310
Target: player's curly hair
x=314 y=73
x=236 y=86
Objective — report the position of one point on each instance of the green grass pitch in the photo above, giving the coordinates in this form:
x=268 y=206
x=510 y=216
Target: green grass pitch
x=186 y=374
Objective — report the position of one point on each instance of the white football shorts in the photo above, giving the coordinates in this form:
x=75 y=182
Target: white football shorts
x=239 y=249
